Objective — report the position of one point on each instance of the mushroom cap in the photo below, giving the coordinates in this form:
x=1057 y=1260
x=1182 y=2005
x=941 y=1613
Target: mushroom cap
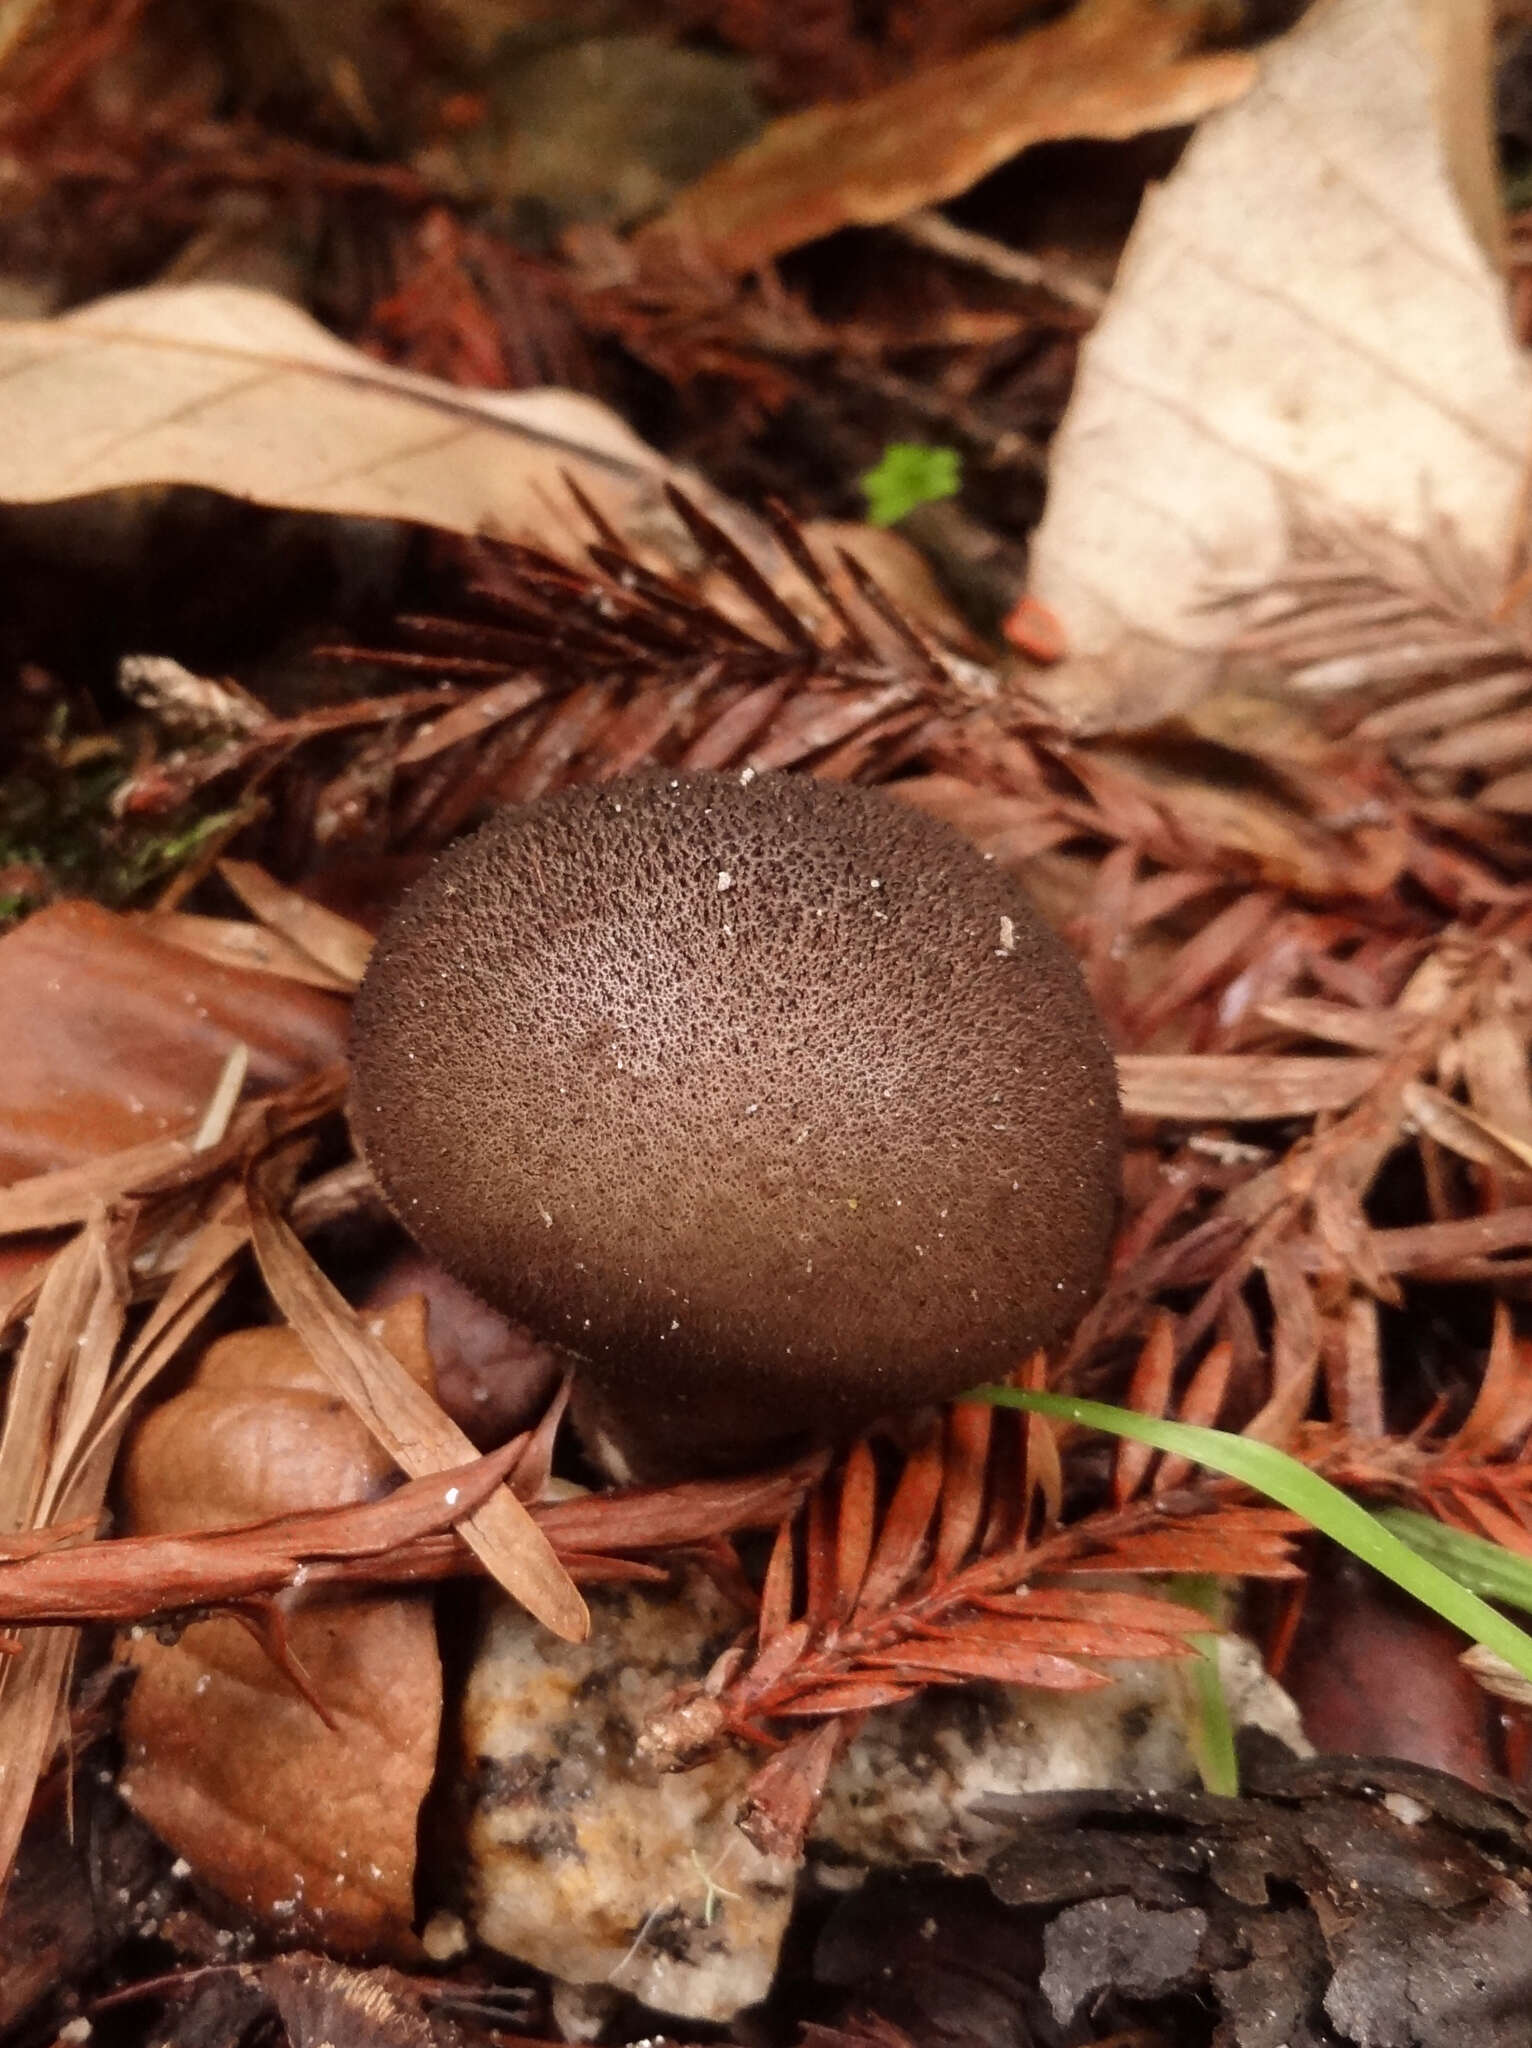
x=772 y=1098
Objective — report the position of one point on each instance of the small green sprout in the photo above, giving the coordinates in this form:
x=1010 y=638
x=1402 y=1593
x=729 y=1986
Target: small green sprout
x=910 y=474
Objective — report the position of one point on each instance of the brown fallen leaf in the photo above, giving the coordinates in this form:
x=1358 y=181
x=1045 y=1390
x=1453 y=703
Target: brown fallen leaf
x=235 y=942
x=1112 y=68
x=1256 y=355
x=1355 y=1637
x=72 y=1194
x=311 y=1827
x=115 y=1037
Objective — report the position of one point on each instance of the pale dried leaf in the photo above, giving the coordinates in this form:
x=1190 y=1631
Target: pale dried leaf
x=1294 y=1350
x=1256 y=354
x=81 y=1381
x=1498 y=1678
x=58 y=1322
x=1239 y=1087
x=45 y=1201
x=54 y=1386
x=33 y=1685
x=332 y=941
x=1463 y=1131
x=1493 y=1052
x=238 y=391
x=234 y=942
x=1338 y=1023
x=194 y=1290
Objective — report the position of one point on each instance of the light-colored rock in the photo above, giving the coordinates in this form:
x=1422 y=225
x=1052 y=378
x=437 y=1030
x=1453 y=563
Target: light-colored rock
x=588 y=1863
x=905 y=1789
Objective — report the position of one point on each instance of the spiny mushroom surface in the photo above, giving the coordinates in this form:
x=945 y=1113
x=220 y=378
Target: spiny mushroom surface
x=771 y=1098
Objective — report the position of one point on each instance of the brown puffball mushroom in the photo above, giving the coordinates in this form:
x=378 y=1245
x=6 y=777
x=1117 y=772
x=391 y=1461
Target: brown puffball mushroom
x=771 y=1098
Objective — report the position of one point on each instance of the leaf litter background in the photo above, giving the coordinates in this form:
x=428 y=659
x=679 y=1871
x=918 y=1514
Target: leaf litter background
x=1273 y=794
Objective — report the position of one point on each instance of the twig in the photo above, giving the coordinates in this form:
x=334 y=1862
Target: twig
x=928 y=229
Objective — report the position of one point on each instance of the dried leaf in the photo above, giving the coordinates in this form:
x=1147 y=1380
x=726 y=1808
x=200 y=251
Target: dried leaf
x=1238 y=1545
x=1012 y=1664
x=239 y=391
x=309 y=1823
x=114 y=1037
x=1465 y=1132
x=1262 y=284
x=1239 y=1087
x=1108 y=70
x=855 y=1524
x=850 y=1696
x=902 y=1539
x=963 y=1484
x=1336 y=1023
x=785 y=1792
x=1200 y=1405
x=72 y=1194
x=1104 y=1605
x=232 y=942
x=53 y=1388
x=1294 y=1351
x=331 y=942
x=1502 y=1411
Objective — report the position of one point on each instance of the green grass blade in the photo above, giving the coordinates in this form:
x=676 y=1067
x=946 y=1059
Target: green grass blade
x=1211 y=1728
x=1292 y=1486
x=1486 y=1568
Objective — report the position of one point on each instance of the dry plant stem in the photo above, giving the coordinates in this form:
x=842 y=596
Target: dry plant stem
x=406 y=1538
x=928 y=229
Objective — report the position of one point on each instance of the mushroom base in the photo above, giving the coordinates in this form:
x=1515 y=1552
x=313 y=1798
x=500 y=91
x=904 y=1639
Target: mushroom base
x=634 y=1447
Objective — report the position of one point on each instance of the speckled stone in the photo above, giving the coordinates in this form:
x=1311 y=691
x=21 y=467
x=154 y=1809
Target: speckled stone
x=906 y=1789
x=585 y=1861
